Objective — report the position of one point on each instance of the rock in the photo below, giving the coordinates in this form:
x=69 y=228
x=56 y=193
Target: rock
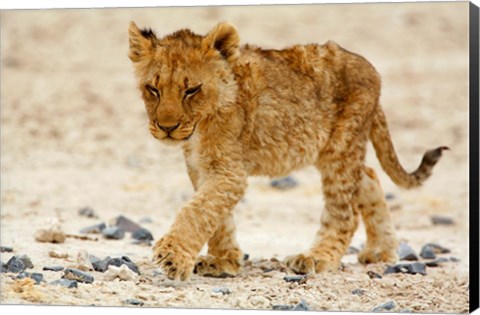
x=282 y=307
x=134 y=302
x=436 y=262
x=52 y=234
x=83 y=261
x=26 y=261
x=390 y=305
x=38 y=277
x=430 y=250
x=389 y=196
x=405 y=252
x=15 y=265
x=454 y=259
x=411 y=268
x=246 y=257
x=77 y=275
x=5 y=249
x=53 y=268
x=373 y=275
x=358 y=291
x=87 y=212
x=94 y=229
x=125 y=224
x=65 y=283
x=302 y=306
x=123 y=273
x=142 y=235
x=223 y=291
x=297 y=278
x=441 y=220
x=284 y=183
x=102 y=265
x=352 y=250
x=113 y=233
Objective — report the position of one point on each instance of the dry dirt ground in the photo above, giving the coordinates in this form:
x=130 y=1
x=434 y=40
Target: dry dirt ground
x=74 y=134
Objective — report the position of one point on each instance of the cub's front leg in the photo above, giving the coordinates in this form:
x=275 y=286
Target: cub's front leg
x=221 y=188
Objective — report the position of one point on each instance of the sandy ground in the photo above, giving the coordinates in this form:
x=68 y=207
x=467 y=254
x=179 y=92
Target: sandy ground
x=74 y=134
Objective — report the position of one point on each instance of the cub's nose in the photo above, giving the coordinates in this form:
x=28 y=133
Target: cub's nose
x=168 y=129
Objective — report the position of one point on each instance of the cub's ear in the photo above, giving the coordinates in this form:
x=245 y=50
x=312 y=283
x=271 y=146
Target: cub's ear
x=224 y=38
x=142 y=42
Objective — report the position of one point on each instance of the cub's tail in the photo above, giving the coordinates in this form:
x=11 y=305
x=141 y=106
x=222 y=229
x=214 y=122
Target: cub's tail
x=382 y=142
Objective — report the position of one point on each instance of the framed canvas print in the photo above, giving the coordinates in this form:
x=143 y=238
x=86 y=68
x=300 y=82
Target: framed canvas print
x=285 y=157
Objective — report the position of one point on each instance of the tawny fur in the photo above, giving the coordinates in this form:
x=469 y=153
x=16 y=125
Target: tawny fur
x=239 y=111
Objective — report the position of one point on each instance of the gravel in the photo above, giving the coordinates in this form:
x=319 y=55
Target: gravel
x=102 y=265
x=38 y=277
x=405 y=252
x=410 y=268
x=77 y=275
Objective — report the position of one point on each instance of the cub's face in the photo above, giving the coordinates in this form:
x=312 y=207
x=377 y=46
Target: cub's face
x=183 y=77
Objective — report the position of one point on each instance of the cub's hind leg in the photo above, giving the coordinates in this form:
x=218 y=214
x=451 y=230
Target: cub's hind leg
x=224 y=256
x=382 y=242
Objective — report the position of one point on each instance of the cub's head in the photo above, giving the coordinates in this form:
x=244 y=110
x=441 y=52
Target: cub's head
x=183 y=77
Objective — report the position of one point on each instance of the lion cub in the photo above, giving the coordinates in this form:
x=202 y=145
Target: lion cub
x=239 y=111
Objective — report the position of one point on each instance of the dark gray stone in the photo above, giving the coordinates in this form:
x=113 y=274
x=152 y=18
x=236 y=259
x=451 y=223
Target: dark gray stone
x=427 y=252
x=284 y=183
x=94 y=229
x=246 y=257
x=438 y=248
x=454 y=259
x=142 y=234
x=53 y=268
x=352 y=250
x=297 y=278
x=410 y=268
x=436 y=262
x=102 y=265
x=38 y=277
x=373 y=275
x=26 y=261
x=134 y=302
x=65 y=283
x=390 y=305
x=389 y=196
x=224 y=291
x=15 y=265
x=5 y=249
x=441 y=220
x=78 y=275
x=87 y=212
x=358 y=291
x=405 y=252
x=126 y=224
x=282 y=307
x=113 y=233
x=302 y=306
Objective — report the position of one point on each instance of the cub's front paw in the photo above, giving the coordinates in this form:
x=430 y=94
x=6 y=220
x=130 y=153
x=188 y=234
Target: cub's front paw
x=308 y=264
x=370 y=255
x=218 y=267
x=173 y=259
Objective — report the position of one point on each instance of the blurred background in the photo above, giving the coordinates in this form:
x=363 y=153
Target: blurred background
x=74 y=131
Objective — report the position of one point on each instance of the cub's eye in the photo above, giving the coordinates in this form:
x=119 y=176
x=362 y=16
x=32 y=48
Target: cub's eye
x=193 y=90
x=152 y=90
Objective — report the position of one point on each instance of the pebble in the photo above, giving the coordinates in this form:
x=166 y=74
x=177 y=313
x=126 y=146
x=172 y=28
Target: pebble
x=87 y=212
x=389 y=196
x=411 y=268
x=50 y=236
x=123 y=273
x=390 y=305
x=436 y=262
x=38 y=277
x=113 y=233
x=405 y=252
x=53 y=268
x=223 y=291
x=441 y=220
x=373 y=275
x=65 y=283
x=78 y=275
x=358 y=291
x=102 y=265
x=430 y=250
x=5 y=249
x=134 y=302
x=454 y=259
x=246 y=257
x=125 y=224
x=83 y=261
x=298 y=278
x=302 y=306
x=3 y=267
x=94 y=229
x=142 y=234
x=26 y=261
x=284 y=183
x=15 y=265
x=282 y=307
